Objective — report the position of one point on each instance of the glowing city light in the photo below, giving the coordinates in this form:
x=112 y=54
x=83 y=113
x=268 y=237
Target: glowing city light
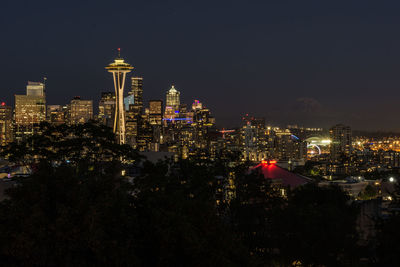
x=268 y=162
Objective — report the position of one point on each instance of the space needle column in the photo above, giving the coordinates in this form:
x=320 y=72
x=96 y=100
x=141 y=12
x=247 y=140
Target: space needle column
x=119 y=69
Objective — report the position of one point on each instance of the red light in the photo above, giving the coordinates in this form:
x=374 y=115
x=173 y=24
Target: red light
x=3 y=103
x=268 y=162
x=119 y=49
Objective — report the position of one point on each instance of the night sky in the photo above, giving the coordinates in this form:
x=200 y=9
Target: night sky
x=311 y=63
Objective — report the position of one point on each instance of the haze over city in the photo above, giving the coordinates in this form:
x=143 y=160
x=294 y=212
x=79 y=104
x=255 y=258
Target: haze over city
x=308 y=63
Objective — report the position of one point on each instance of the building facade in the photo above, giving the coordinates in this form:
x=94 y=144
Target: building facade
x=137 y=92
x=107 y=109
x=340 y=142
x=6 y=131
x=80 y=111
x=35 y=89
x=155 y=112
x=173 y=98
x=56 y=114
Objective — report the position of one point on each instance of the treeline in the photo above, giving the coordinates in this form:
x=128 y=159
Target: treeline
x=76 y=209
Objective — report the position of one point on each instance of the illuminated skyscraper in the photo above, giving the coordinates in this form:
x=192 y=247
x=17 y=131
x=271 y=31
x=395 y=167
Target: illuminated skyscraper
x=107 y=109
x=119 y=69
x=155 y=112
x=197 y=105
x=173 y=98
x=155 y=121
x=30 y=109
x=35 y=89
x=341 y=142
x=137 y=92
x=131 y=127
x=80 y=111
x=134 y=112
x=172 y=104
x=5 y=124
x=285 y=146
x=128 y=101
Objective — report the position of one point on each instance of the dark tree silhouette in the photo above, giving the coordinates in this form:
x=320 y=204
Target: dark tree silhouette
x=77 y=209
x=253 y=211
x=178 y=218
x=388 y=252
x=318 y=227
x=88 y=143
x=58 y=217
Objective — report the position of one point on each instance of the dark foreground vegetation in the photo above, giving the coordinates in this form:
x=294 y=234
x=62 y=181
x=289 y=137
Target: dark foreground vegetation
x=76 y=209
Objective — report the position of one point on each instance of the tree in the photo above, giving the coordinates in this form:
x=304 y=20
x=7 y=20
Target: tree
x=58 y=217
x=318 y=227
x=388 y=253
x=75 y=209
x=253 y=211
x=369 y=192
x=87 y=143
x=178 y=218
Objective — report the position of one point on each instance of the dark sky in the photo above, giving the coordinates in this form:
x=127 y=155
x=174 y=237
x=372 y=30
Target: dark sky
x=312 y=63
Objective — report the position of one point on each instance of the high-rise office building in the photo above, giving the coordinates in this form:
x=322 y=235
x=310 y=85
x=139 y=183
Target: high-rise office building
x=173 y=98
x=203 y=117
x=340 y=142
x=30 y=109
x=250 y=143
x=286 y=146
x=56 y=114
x=145 y=132
x=131 y=126
x=119 y=68
x=128 y=101
x=155 y=112
x=107 y=109
x=134 y=115
x=35 y=89
x=80 y=111
x=197 y=105
x=137 y=92
x=172 y=104
x=5 y=124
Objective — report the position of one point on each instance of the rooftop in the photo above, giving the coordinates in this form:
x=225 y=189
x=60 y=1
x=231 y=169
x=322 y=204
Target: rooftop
x=280 y=175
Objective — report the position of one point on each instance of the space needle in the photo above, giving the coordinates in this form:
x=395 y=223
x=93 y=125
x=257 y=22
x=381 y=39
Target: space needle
x=119 y=69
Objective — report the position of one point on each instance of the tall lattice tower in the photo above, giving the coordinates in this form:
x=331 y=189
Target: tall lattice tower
x=119 y=69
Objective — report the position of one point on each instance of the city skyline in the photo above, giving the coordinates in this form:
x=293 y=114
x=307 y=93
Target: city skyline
x=303 y=106
x=315 y=64
x=199 y=133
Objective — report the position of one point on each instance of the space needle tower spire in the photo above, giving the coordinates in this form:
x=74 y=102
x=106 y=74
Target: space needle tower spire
x=119 y=69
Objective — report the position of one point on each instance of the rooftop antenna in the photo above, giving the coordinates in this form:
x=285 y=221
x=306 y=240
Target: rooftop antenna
x=44 y=84
x=119 y=52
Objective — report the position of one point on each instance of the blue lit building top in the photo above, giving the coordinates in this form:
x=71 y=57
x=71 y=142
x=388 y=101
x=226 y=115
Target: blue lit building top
x=129 y=100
